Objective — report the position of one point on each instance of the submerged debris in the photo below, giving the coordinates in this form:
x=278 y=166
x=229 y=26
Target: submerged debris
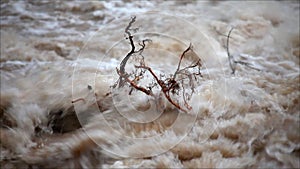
x=172 y=85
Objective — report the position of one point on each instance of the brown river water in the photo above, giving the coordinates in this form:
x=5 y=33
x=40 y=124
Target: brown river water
x=58 y=63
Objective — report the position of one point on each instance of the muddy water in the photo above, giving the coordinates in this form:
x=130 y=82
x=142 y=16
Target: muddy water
x=53 y=53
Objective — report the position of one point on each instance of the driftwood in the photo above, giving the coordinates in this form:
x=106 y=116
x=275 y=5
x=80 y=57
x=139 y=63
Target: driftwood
x=168 y=86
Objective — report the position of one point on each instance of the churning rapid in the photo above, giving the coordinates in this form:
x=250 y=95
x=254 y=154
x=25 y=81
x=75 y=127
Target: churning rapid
x=58 y=65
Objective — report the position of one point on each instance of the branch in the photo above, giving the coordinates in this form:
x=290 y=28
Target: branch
x=133 y=84
x=228 y=53
x=124 y=61
x=167 y=85
x=181 y=57
x=231 y=59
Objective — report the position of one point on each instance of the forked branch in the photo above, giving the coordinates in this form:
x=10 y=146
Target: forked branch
x=168 y=86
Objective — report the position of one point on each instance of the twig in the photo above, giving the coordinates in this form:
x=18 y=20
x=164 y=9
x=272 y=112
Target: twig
x=231 y=59
x=133 y=84
x=181 y=57
x=124 y=61
x=228 y=53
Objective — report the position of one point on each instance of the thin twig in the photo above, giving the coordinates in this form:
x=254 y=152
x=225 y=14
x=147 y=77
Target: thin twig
x=228 y=53
x=232 y=62
x=181 y=57
x=124 y=61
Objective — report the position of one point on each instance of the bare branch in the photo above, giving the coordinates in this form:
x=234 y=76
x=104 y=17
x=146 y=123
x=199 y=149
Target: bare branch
x=181 y=57
x=133 y=84
x=168 y=86
x=228 y=53
x=232 y=62
x=124 y=61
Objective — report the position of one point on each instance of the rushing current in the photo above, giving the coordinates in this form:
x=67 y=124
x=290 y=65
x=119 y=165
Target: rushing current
x=59 y=63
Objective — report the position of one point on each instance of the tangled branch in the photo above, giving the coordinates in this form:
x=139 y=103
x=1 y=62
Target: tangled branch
x=168 y=86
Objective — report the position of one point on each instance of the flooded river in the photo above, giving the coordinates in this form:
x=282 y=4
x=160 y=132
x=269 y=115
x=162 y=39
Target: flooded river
x=58 y=65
